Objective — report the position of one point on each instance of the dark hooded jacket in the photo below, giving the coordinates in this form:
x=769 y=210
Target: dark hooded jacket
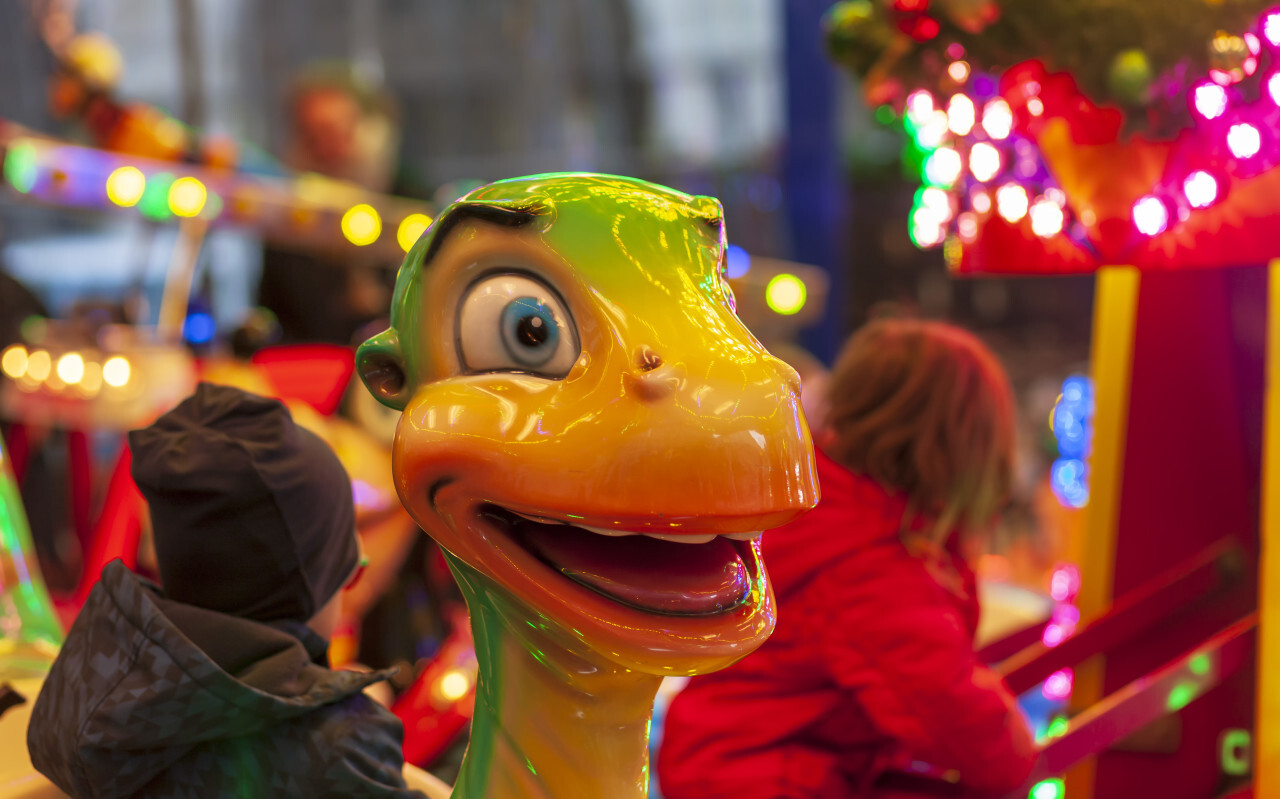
x=153 y=698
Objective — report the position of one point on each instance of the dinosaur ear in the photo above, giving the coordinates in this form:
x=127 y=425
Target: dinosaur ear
x=381 y=365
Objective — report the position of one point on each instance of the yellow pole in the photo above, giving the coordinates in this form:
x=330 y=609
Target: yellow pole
x=1267 y=724
x=1115 y=308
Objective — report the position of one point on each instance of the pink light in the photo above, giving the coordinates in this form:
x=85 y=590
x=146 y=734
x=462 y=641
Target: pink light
x=1220 y=77
x=1035 y=106
x=1200 y=188
x=1064 y=583
x=997 y=119
x=1053 y=635
x=1271 y=28
x=1058 y=685
x=1058 y=196
x=1150 y=216
x=1012 y=202
x=1251 y=41
x=981 y=201
x=1210 y=100
x=1250 y=65
x=1244 y=140
x=1273 y=88
x=967 y=224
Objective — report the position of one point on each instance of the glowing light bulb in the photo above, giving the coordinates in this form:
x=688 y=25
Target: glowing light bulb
x=71 y=368
x=997 y=119
x=1057 y=686
x=984 y=161
x=1244 y=140
x=785 y=294
x=454 y=685
x=116 y=371
x=1201 y=189
x=943 y=167
x=187 y=197
x=1271 y=28
x=1150 y=216
x=1053 y=635
x=1210 y=100
x=39 y=365
x=361 y=225
x=125 y=186
x=14 y=361
x=927 y=233
x=959 y=71
x=919 y=106
x=934 y=129
x=1048 y=789
x=981 y=201
x=1035 y=106
x=1273 y=88
x=937 y=202
x=960 y=114
x=1012 y=202
x=1046 y=218
x=411 y=229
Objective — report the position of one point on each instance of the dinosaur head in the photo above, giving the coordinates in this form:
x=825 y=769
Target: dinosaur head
x=587 y=428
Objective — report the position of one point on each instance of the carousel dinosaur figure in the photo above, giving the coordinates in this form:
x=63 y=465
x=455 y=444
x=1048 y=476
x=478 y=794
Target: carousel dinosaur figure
x=597 y=442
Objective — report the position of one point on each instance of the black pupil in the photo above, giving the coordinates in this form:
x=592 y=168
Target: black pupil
x=531 y=331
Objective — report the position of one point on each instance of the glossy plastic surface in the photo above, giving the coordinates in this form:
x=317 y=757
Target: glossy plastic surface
x=564 y=350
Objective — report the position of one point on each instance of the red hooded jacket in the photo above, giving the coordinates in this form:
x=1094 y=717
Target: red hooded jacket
x=871 y=667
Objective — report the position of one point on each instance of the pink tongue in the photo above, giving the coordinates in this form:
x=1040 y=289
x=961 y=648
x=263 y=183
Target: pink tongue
x=661 y=576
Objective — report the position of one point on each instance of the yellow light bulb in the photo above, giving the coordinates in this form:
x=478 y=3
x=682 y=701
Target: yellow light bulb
x=39 y=365
x=14 y=361
x=116 y=371
x=786 y=294
x=411 y=229
x=187 y=197
x=454 y=685
x=71 y=368
x=361 y=225
x=126 y=185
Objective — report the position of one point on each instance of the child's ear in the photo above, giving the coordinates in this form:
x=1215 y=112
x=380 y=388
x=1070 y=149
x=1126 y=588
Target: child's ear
x=382 y=369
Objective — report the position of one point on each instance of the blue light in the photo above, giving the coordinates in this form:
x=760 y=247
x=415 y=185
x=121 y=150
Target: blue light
x=199 y=328
x=1073 y=428
x=737 y=261
x=1069 y=479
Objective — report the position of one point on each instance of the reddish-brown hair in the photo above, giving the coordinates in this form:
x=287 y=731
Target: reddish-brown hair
x=925 y=409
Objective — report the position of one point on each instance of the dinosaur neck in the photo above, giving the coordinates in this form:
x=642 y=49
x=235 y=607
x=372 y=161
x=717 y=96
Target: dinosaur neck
x=549 y=722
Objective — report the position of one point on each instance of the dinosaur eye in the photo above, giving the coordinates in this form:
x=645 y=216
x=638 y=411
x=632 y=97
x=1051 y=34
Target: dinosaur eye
x=512 y=323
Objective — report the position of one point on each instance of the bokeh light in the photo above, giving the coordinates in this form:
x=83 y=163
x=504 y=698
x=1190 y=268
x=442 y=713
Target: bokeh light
x=997 y=119
x=14 y=361
x=786 y=294
x=125 y=186
x=71 y=368
x=1012 y=202
x=960 y=114
x=411 y=229
x=1200 y=188
x=187 y=197
x=984 y=161
x=1046 y=218
x=116 y=371
x=1150 y=216
x=1244 y=140
x=943 y=167
x=1210 y=100
x=361 y=225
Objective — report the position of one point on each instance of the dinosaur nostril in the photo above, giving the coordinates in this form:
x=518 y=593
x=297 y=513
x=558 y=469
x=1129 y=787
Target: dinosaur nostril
x=647 y=359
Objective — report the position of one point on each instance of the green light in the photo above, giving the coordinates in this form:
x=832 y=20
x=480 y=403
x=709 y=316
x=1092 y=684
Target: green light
x=1048 y=789
x=885 y=115
x=1199 y=665
x=1237 y=750
x=20 y=167
x=1180 y=696
x=155 y=198
x=786 y=294
x=1056 y=729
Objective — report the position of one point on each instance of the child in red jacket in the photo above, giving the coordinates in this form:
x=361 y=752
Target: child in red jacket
x=872 y=665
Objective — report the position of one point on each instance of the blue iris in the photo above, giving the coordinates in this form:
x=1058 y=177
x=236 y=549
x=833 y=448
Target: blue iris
x=530 y=332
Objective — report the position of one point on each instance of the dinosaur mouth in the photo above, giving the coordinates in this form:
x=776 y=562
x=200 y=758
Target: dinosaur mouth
x=681 y=575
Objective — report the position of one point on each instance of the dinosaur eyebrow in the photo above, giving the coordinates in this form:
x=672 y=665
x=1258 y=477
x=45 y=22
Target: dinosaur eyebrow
x=494 y=214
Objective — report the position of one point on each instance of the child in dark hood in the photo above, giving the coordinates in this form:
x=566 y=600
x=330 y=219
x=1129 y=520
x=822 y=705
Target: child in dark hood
x=218 y=685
